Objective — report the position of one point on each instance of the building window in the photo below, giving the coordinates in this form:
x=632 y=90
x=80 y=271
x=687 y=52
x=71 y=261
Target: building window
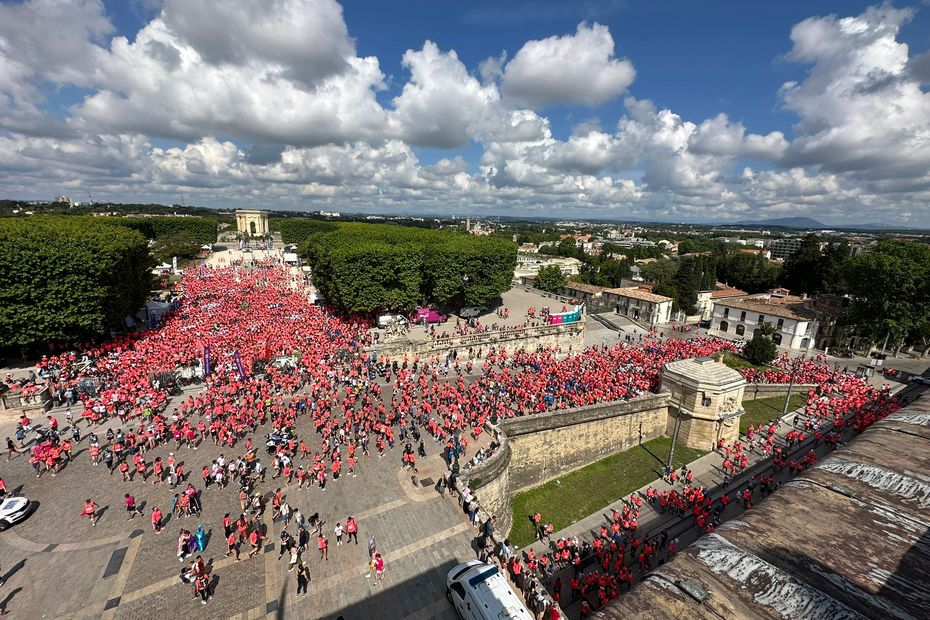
x=740 y=330
x=723 y=326
x=726 y=313
x=776 y=338
x=781 y=323
x=761 y=319
x=742 y=315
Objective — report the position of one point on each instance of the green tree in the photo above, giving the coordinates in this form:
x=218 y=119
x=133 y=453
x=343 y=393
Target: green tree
x=662 y=270
x=182 y=244
x=68 y=278
x=368 y=267
x=833 y=267
x=749 y=272
x=891 y=292
x=551 y=278
x=761 y=349
x=202 y=229
x=568 y=249
x=802 y=272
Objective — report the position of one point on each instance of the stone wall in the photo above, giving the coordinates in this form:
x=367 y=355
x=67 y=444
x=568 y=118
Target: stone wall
x=491 y=483
x=549 y=445
x=538 y=448
x=755 y=391
x=567 y=336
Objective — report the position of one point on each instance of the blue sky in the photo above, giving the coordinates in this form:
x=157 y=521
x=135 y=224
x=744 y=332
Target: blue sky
x=400 y=132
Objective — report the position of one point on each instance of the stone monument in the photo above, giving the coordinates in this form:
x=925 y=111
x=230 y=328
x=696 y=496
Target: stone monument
x=251 y=222
x=706 y=401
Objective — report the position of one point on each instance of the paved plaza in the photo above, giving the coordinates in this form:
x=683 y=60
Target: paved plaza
x=58 y=566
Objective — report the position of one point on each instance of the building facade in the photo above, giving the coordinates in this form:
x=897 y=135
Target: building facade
x=640 y=305
x=252 y=222
x=742 y=318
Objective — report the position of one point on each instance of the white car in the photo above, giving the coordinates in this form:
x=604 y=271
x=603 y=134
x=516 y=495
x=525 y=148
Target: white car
x=478 y=591
x=13 y=510
x=472 y=312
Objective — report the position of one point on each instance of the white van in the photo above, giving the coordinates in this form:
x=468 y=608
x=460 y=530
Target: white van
x=386 y=320
x=479 y=591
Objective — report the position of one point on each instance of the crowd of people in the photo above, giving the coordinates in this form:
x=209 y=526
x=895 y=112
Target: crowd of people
x=600 y=569
x=272 y=361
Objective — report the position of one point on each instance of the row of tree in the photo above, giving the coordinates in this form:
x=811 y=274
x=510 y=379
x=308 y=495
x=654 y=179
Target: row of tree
x=371 y=267
x=173 y=236
x=67 y=278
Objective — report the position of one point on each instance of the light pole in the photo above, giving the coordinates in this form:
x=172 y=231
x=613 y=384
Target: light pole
x=795 y=364
x=671 y=451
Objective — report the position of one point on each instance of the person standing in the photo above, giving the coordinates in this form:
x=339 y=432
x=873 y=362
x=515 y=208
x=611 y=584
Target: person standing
x=352 y=529
x=303 y=578
x=202 y=584
x=323 y=545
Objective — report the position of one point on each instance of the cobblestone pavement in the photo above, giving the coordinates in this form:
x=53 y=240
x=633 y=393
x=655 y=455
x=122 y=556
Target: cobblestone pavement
x=58 y=566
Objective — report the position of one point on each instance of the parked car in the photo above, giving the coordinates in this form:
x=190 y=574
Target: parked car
x=472 y=311
x=386 y=320
x=920 y=379
x=13 y=510
x=478 y=591
x=428 y=316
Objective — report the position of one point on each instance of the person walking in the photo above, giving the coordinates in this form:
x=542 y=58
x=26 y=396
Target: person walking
x=90 y=510
x=303 y=578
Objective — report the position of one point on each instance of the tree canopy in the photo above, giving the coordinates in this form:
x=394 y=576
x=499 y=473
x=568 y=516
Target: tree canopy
x=891 y=292
x=761 y=349
x=201 y=229
x=810 y=270
x=370 y=267
x=69 y=277
x=550 y=278
x=296 y=230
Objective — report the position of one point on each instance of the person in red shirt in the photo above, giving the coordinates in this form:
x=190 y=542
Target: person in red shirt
x=232 y=545
x=323 y=545
x=90 y=510
x=131 y=507
x=255 y=541
x=156 y=519
x=352 y=528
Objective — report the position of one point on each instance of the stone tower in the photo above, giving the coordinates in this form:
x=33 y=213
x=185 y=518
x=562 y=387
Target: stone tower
x=706 y=401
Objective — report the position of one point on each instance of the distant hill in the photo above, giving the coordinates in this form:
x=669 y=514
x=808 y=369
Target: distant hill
x=786 y=222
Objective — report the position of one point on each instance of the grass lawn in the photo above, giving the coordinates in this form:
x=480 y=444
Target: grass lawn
x=591 y=488
x=736 y=362
x=764 y=409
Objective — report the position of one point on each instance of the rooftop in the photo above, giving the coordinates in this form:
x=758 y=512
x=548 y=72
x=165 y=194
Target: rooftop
x=766 y=307
x=586 y=288
x=726 y=292
x=637 y=293
x=849 y=538
x=704 y=370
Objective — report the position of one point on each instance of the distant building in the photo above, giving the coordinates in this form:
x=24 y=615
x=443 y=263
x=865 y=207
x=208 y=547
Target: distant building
x=706 y=299
x=783 y=248
x=640 y=305
x=64 y=200
x=530 y=264
x=795 y=326
x=252 y=222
